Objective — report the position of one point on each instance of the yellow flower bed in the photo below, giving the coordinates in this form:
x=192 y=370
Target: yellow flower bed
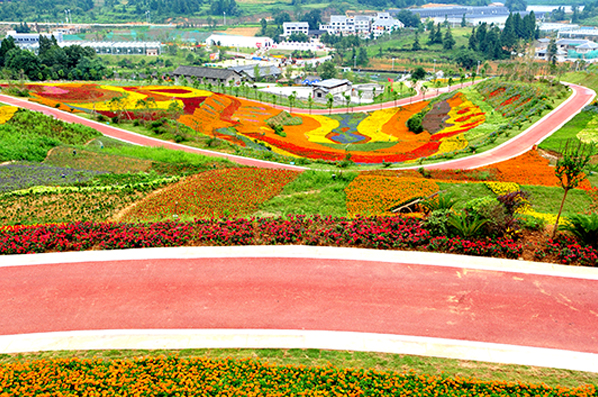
x=128 y=102
x=191 y=94
x=6 y=113
x=457 y=113
x=371 y=126
x=452 y=143
x=500 y=188
x=319 y=134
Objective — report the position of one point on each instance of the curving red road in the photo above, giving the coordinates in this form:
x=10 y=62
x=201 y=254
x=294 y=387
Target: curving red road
x=304 y=294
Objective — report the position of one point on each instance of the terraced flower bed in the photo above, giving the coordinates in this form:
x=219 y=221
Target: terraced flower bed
x=376 y=137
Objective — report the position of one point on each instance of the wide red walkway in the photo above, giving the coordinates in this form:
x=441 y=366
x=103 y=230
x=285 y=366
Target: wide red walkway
x=310 y=294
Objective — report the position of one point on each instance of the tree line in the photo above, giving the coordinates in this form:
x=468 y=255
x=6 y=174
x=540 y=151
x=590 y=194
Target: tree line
x=51 y=63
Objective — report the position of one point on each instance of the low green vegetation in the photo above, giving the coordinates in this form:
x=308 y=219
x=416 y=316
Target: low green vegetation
x=556 y=142
x=312 y=193
x=30 y=135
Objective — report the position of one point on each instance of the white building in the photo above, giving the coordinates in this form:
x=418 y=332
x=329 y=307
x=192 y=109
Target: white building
x=229 y=40
x=31 y=40
x=362 y=25
x=334 y=87
x=569 y=50
x=295 y=27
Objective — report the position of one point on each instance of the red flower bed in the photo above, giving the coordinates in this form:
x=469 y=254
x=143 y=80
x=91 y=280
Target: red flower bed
x=465 y=118
x=172 y=90
x=497 y=92
x=76 y=93
x=568 y=251
x=375 y=232
x=190 y=104
x=509 y=101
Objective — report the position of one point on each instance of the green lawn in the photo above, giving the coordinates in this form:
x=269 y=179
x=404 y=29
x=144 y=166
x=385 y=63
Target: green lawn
x=312 y=193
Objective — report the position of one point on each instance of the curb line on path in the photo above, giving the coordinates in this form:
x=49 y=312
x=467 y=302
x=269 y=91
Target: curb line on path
x=298 y=339
x=304 y=251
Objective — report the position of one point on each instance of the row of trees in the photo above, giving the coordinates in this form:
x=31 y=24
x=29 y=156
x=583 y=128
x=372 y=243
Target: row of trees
x=53 y=62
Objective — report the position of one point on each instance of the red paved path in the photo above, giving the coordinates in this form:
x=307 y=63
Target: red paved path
x=311 y=294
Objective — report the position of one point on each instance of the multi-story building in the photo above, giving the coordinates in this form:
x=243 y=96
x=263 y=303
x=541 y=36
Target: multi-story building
x=362 y=25
x=30 y=41
x=295 y=27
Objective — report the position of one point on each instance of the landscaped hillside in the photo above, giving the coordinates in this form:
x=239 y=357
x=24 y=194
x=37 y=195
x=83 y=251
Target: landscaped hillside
x=452 y=124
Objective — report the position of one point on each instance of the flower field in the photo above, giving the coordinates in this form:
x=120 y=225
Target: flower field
x=6 y=113
x=219 y=193
x=378 y=194
x=174 y=376
x=375 y=137
x=18 y=176
x=47 y=204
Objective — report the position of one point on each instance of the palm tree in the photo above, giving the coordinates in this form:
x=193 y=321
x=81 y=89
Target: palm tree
x=329 y=102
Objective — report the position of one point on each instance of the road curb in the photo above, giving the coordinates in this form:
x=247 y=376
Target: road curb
x=298 y=339
x=303 y=251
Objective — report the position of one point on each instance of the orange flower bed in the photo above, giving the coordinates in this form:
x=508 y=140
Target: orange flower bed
x=53 y=104
x=529 y=169
x=377 y=194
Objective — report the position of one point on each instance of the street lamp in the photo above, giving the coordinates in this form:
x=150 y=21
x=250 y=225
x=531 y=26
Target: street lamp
x=224 y=13
x=148 y=17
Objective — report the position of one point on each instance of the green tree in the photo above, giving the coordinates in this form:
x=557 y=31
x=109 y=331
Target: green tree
x=327 y=70
x=432 y=33
x=313 y=18
x=418 y=73
x=264 y=25
x=292 y=99
x=438 y=35
x=310 y=102
x=362 y=57
x=551 y=51
x=570 y=169
x=416 y=46
x=463 y=21
x=329 y=102
x=408 y=18
x=449 y=42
